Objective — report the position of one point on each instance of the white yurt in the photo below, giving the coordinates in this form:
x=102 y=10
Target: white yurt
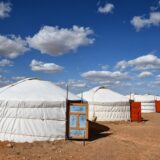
x=147 y=102
x=157 y=97
x=33 y=110
x=107 y=105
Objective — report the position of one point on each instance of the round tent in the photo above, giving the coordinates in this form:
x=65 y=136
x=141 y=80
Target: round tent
x=157 y=98
x=107 y=105
x=147 y=102
x=33 y=110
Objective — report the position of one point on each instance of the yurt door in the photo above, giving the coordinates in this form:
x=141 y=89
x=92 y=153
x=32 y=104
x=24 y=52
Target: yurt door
x=135 y=111
x=77 y=121
x=157 y=104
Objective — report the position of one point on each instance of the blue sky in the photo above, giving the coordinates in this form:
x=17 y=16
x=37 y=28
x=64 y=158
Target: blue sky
x=82 y=43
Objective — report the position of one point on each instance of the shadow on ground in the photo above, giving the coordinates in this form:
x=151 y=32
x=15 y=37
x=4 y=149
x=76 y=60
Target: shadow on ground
x=144 y=120
x=97 y=131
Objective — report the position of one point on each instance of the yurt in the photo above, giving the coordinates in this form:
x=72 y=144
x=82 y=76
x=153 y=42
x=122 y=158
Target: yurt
x=147 y=102
x=33 y=110
x=157 y=97
x=107 y=105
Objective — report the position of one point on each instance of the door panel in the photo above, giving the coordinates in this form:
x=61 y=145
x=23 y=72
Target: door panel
x=157 y=104
x=135 y=111
x=78 y=121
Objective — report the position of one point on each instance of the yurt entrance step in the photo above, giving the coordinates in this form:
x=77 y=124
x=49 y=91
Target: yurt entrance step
x=157 y=104
x=135 y=111
x=77 y=121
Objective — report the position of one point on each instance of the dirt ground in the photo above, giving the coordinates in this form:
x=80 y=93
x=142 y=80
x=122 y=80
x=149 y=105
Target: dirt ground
x=110 y=141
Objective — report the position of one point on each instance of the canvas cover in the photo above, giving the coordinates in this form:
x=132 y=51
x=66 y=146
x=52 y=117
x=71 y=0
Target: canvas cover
x=107 y=105
x=33 y=110
x=157 y=98
x=147 y=102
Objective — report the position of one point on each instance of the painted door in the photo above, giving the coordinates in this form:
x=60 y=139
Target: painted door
x=78 y=121
x=135 y=111
x=157 y=104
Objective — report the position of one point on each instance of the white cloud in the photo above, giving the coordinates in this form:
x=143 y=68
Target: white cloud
x=72 y=83
x=108 y=82
x=122 y=64
x=144 y=62
x=76 y=83
x=18 y=78
x=158 y=76
x=5 y=9
x=104 y=67
x=45 y=67
x=145 y=74
x=58 y=41
x=5 y=62
x=107 y=8
x=103 y=75
x=4 y=81
x=11 y=46
x=157 y=80
x=61 y=84
x=140 y=22
x=155 y=7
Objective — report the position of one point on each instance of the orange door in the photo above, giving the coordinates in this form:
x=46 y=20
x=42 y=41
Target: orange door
x=135 y=111
x=157 y=104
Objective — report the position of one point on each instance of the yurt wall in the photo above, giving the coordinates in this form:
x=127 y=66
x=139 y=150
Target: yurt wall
x=33 y=110
x=147 y=102
x=107 y=105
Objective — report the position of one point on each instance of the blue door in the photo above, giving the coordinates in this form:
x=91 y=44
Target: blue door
x=78 y=121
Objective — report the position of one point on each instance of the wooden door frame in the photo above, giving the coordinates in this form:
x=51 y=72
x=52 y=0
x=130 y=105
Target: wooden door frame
x=76 y=103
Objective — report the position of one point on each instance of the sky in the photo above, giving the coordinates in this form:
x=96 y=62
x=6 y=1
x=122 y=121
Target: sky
x=82 y=43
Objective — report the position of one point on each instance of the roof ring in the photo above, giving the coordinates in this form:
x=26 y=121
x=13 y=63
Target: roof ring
x=32 y=78
x=101 y=87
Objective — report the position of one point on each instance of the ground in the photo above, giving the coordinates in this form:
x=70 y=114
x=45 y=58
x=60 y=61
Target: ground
x=110 y=141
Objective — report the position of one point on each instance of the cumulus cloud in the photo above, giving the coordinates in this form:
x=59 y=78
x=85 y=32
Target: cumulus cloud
x=103 y=75
x=144 y=62
x=145 y=74
x=45 y=67
x=107 y=8
x=12 y=46
x=5 y=62
x=58 y=41
x=140 y=22
x=5 y=9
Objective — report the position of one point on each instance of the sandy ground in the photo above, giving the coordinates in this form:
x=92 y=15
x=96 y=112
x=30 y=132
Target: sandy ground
x=110 y=141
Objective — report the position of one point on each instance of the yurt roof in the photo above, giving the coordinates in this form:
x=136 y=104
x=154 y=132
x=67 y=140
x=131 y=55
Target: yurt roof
x=34 y=89
x=141 y=98
x=103 y=94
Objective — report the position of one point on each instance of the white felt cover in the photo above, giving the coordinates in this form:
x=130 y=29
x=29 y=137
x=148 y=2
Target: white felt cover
x=107 y=105
x=33 y=110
